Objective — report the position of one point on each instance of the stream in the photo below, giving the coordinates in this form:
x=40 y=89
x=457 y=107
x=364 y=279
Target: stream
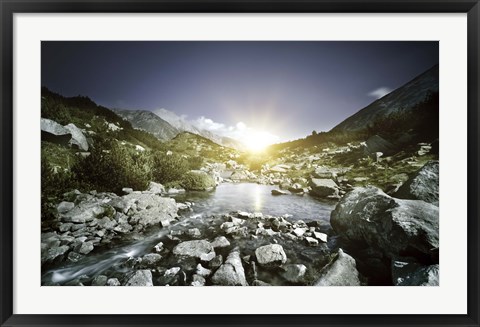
x=248 y=197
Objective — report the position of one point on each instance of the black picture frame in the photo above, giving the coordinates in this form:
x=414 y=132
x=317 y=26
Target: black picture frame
x=10 y=7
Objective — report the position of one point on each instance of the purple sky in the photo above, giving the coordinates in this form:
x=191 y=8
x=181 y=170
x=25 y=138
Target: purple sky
x=284 y=88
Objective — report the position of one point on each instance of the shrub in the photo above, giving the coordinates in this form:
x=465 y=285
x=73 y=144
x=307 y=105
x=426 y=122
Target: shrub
x=111 y=166
x=196 y=180
x=168 y=168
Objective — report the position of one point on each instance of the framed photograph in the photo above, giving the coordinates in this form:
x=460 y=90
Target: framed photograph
x=239 y=163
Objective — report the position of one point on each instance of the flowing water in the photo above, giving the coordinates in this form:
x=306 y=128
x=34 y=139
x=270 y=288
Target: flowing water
x=225 y=198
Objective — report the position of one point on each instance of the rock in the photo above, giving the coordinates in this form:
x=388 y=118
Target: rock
x=85 y=211
x=100 y=280
x=107 y=223
x=271 y=255
x=65 y=206
x=78 y=138
x=243 y=215
x=324 y=187
x=52 y=127
x=194 y=232
x=74 y=257
x=311 y=241
x=201 y=271
x=239 y=176
x=207 y=257
x=65 y=227
x=193 y=248
x=127 y=190
x=299 y=231
x=422 y=185
x=231 y=273
x=54 y=253
x=198 y=280
x=321 y=236
x=396 y=227
x=84 y=247
x=147 y=209
x=424 y=276
x=216 y=262
x=279 y=192
x=341 y=271
x=220 y=242
x=156 y=188
x=113 y=282
x=294 y=273
x=325 y=173
x=151 y=259
x=257 y=282
x=172 y=272
x=378 y=144
x=123 y=228
x=141 y=278
x=159 y=247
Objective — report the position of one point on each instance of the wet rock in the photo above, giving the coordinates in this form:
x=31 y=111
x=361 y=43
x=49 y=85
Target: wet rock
x=74 y=257
x=231 y=273
x=151 y=259
x=341 y=271
x=279 y=192
x=100 y=280
x=422 y=185
x=271 y=255
x=294 y=273
x=411 y=273
x=220 y=242
x=194 y=232
x=172 y=272
x=140 y=278
x=396 y=227
x=84 y=247
x=324 y=187
x=151 y=209
x=159 y=247
x=113 y=282
x=123 y=228
x=193 y=248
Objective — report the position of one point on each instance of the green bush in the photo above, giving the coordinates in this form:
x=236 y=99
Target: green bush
x=168 y=168
x=111 y=166
x=197 y=181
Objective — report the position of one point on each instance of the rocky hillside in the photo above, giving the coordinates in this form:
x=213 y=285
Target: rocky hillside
x=402 y=100
x=149 y=122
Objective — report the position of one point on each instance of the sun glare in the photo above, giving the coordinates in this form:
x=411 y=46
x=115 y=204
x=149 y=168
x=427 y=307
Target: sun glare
x=258 y=141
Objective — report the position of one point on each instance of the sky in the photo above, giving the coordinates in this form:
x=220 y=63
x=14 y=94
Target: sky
x=275 y=91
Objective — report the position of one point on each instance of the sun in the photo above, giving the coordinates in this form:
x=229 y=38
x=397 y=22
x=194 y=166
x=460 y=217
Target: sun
x=258 y=141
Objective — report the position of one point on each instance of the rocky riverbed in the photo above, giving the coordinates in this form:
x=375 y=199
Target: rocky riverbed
x=144 y=238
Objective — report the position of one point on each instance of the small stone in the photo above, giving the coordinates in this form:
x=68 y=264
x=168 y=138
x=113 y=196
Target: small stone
x=198 y=280
x=203 y=271
x=113 y=282
x=100 y=280
x=220 y=242
x=311 y=241
x=321 y=236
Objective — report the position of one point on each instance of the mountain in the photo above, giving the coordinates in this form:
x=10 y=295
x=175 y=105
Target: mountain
x=401 y=101
x=183 y=125
x=149 y=122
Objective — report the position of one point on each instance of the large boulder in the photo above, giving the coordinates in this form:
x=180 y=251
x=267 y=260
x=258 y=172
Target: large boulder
x=193 y=248
x=140 y=278
x=396 y=227
x=52 y=127
x=78 y=138
x=147 y=209
x=85 y=211
x=231 y=273
x=271 y=255
x=341 y=271
x=422 y=185
x=324 y=188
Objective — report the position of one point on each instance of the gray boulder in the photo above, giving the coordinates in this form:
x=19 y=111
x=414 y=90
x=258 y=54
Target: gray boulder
x=271 y=255
x=193 y=248
x=85 y=211
x=341 y=271
x=391 y=225
x=78 y=138
x=140 y=278
x=231 y=273
x=64 y=207
x=52 y=127
x=147 y=209
x=324 y=187
x=294 y=273
x=423 y=185
x=220 y=242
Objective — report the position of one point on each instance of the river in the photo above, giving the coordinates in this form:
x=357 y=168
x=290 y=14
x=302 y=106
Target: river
x=225 y=198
